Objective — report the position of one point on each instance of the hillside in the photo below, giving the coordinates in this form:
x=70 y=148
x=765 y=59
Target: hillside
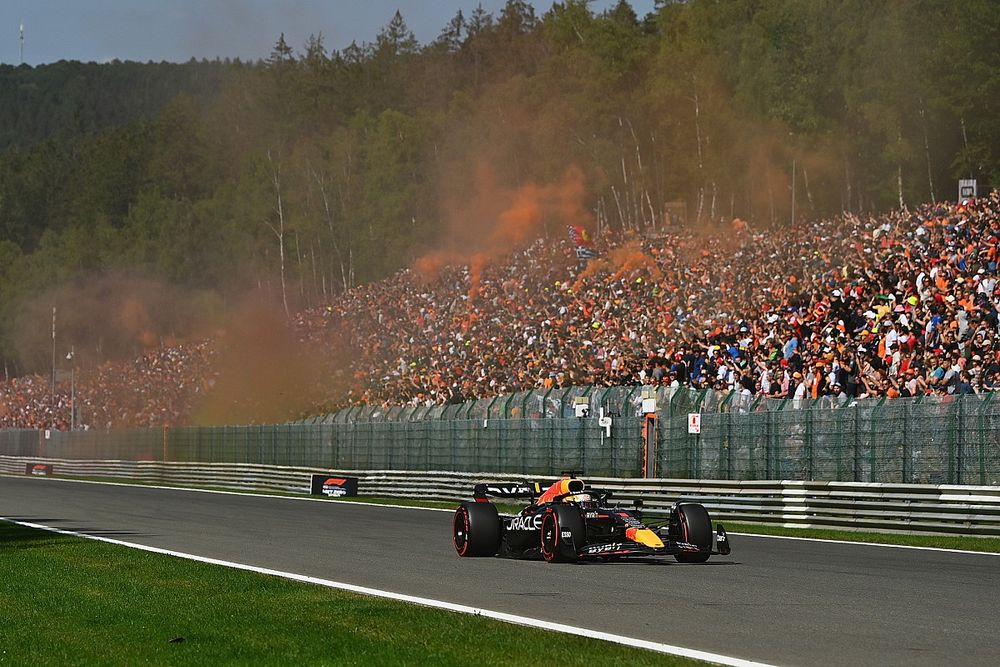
x=143 y=200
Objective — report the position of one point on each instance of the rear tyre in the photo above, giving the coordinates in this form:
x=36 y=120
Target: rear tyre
x=476 y=529
x=562 y=533
x=695 y=527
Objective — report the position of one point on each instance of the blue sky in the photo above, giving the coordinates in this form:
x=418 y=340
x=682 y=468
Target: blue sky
x=176 y=30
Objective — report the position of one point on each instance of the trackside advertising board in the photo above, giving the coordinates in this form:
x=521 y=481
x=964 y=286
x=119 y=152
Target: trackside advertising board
x=334 y=486
x=38 y=469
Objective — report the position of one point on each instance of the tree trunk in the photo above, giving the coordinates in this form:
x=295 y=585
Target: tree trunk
x=697 y=129
x=847 y=181
x=618 y=203
x=279 y=229
x=809 y=196
x=899 y=185
x=329 y=223
x=927 y=151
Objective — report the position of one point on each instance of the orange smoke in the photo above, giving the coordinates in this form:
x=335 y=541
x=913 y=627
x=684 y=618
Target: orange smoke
x=493 y=221
x=429 y=266
x=477 y=263
x=263 y=373
x=627 y=261
x=521 y=222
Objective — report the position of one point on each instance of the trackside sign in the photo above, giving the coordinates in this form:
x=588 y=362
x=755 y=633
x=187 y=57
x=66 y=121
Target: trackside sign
x=334 y=486
x=694 y=422
x=38 y=469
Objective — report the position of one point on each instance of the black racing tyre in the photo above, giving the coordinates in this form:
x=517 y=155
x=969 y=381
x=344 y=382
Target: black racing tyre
x=695 y=527
x=476 y=529
x=562 y=533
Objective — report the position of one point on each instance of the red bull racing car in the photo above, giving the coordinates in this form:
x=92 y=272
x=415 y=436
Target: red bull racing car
x=571 y=522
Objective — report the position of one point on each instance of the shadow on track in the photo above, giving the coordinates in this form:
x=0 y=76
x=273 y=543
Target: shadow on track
x=17 y=536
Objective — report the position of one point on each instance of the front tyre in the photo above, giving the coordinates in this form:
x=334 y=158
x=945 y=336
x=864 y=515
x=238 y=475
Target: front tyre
x=562 y=533
x=694 y=527
x=476 y=529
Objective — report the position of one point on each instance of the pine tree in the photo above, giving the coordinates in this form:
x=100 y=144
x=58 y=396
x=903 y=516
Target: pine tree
x=450 y=39
x=281 y=54
x=396 y=39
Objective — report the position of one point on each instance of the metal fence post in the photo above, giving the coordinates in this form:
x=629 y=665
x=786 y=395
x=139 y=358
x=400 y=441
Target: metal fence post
x=452 y=427
x=955 y=445
x=702 y=443
x=770 y=459
x=627 y=401
x=907 y=471
x=724 y=410
x=856 y=467
x=984 y=408
x=871 y=441
x=506 y=406
x=545 y=398
x=960 y=449
x=841 y=416
x=725 y=457
x=810 y=436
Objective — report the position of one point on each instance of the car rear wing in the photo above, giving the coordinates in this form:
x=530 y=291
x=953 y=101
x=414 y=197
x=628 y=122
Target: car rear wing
x=481 y=492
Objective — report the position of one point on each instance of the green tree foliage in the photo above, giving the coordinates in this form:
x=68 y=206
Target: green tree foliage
x=174 y=171
x=68 y=98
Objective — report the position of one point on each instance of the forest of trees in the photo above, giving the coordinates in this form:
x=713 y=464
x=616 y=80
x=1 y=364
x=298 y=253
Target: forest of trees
x=315 y=170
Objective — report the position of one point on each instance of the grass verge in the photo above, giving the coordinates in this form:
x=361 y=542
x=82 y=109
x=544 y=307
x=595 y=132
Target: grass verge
x=68 y=600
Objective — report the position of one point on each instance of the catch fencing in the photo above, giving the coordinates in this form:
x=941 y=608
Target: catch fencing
x=930 y=440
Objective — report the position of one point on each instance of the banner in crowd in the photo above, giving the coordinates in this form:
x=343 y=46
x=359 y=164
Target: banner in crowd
x=582 y=243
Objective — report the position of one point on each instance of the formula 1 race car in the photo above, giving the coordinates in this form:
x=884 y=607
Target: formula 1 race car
x=571 y=521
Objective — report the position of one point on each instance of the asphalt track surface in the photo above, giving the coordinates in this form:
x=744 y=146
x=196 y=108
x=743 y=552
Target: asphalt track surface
x=789 y=602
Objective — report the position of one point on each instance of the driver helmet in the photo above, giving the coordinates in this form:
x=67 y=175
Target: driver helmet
x=584 y=499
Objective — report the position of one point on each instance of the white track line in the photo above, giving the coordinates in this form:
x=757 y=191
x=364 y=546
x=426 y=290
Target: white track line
x=869 y=544
x=426 y=602
x=440 y=509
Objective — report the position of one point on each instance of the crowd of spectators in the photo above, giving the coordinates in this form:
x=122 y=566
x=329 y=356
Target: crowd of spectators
x=901 y=304
x=159 y=388
x=29 y=402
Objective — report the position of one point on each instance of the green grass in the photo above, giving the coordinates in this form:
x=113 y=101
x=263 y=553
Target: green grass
x=67 y=600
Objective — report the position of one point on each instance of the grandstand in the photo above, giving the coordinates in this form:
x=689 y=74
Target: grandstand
x=899 y=304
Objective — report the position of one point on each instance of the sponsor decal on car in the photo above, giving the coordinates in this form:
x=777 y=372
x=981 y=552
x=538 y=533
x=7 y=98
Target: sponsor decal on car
x=610 y=547
x=514 y=490
x=506 y=489
x=525 y=523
